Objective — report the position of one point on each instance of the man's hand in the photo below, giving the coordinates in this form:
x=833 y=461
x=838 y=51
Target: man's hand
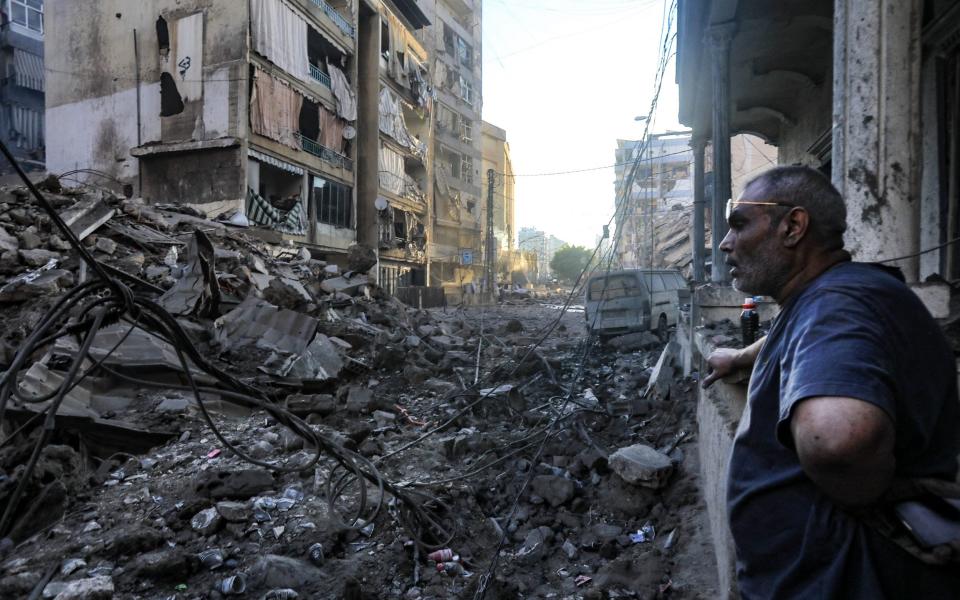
x=724 y=362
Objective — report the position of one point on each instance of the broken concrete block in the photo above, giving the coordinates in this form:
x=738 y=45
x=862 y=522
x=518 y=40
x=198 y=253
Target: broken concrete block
x=274 y=571
x=37 y=258
x=286 y=293
x=301 y=405
x=663 y=373
x=555 y=490
x=535 y=545
x=57 y=243
x=29 y=240
x=87 y=215
x=360 y=258
x=412 y=341
x=8 y=243
x=332 y=270
x=44 y=283
x=93 y=588
x=206 y=522
x=21 y=216
x=9 y=260
x=342 y=285
x=160 y=565
x=359 y=399
x=233 y=484
x=106 y=245
x=642 y=465
x=384 y=418
x=233 y=512
x=631 y=342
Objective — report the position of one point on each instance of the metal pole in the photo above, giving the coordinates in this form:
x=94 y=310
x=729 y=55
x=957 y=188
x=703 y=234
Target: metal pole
x=136 y=62
x=699 y=210
x=720 y=37
x=491 y=253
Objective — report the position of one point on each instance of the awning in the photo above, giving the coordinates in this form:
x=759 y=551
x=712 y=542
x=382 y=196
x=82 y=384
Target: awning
x=276 y=162
x=28 y=69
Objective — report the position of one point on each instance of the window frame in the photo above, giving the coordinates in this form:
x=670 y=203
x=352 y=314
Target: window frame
x=28 y=10
x=333 y=203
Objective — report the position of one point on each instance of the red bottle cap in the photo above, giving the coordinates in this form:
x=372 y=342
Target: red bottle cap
x=749 y=303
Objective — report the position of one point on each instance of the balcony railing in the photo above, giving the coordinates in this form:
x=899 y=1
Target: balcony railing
x=341 y=22
x=320 y=76
x=326 y=154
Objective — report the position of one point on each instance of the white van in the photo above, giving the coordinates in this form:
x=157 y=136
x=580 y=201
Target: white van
x=637 y=300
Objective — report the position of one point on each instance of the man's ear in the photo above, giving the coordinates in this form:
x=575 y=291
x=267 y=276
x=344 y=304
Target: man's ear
x=795 y=226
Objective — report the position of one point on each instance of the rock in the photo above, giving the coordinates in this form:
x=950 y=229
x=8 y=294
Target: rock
x=286 y=293
x=9 y=260
x=555 y=490
x=274 y=571
x=55 y=242
x=643 y=340
x=19 y=585
x=94 y=588
x=133 y=540
x=233 y=485
x=37 y=258
x=29 y=240
x=361 y=258
x=206 y=522
x=106 y=245
x=440 y=387
x=170 y=564
x=359 y=399
x=156 y=272
x=412 y=341
x=535 y=545
x=233 y=512
x=332 y=270
x=642 y=465
x=302 y=405
x=173 y=405
x=21 y=216
x=384 y=419
x=513 y=326
x=426 y=330
x=570 y=549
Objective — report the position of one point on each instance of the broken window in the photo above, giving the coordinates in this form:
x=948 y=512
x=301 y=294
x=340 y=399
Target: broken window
x=385 y=40
x=333 y=202
x=452 y=161
x=466 y=168
x=163 y=37
x=466 y=90
x=171 y=103
x=309 y=120
x=466 y=130
x=464 y=53
x=28 y=13
x=449 y=40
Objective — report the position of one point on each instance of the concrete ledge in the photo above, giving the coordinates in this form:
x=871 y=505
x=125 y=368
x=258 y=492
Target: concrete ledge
x=719 y=409
x=723 y=302
x=194 y=146
x=935 y=296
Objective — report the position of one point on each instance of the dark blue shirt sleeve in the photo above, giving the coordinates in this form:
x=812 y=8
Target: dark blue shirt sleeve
x=835 y=345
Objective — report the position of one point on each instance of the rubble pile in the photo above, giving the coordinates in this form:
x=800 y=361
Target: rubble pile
x=482 y=419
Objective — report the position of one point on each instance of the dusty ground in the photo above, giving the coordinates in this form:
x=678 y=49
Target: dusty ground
x=177 y=521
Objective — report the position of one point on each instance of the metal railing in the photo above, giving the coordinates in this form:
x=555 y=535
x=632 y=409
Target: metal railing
x=320 y=76
x=339 y=19
x=326 y=154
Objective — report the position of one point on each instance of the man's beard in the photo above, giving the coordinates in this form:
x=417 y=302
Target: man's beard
x=761 y=277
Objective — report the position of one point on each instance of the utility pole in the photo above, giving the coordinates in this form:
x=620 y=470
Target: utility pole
x=491 y=251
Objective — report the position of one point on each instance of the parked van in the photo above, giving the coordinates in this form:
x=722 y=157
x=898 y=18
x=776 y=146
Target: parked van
x=638 y=300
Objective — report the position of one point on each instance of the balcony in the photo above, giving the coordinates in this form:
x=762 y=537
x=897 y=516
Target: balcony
x=319 y=76
x=325 y=154
x=337 y=18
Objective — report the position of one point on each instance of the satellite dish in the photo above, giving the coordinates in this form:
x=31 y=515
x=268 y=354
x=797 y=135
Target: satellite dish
x=349 y=132
x=381 y=204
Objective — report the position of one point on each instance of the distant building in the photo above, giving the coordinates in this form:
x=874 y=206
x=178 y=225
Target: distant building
x=496 y=156
x=22 y=88
x=544 y=245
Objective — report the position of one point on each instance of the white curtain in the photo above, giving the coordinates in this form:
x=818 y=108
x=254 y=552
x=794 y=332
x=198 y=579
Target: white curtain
x=280 y=34
x=346 y=98
x=392 y=174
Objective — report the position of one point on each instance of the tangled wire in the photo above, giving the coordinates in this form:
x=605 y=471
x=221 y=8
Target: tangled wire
x=108 y=300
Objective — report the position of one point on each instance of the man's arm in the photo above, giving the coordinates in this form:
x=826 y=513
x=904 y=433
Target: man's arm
x=724 y=362
x=845 y=446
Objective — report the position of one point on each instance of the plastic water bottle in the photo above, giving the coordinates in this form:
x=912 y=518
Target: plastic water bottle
x=749 y=321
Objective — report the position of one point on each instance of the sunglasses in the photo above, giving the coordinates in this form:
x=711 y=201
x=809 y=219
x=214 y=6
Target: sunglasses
x=731 y=204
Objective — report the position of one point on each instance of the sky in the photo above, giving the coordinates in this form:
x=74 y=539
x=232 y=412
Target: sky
x=565 y=79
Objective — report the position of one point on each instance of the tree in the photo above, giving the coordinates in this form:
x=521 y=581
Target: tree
x=569 y=261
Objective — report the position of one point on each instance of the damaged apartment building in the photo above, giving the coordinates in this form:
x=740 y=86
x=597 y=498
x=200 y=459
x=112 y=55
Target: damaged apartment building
x=22 y=86
x=308 y=120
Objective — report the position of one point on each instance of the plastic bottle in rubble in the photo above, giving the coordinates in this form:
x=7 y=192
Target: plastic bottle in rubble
x=749 y=321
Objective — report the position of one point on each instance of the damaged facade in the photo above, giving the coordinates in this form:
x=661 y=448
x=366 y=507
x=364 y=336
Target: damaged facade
x=662 y=197
x=22 y=87
x=454 y=44
x=496 y=157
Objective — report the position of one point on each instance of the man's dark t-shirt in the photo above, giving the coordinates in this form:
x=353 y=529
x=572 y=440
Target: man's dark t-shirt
x=856 y=331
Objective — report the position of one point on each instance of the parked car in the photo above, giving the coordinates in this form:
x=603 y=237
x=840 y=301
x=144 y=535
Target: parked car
x=636 y=300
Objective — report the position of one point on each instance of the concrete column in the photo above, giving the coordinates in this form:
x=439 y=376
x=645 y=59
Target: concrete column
x=699 y=208
x=368 y=131
x=719 y=38
x=876 y=135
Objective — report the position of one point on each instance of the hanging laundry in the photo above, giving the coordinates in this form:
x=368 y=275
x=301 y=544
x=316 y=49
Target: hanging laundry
x=275 y=109
x=331 y=130
x=346 y=98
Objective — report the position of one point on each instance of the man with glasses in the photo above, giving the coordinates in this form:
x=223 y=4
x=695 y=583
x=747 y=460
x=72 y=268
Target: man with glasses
x=853 y=388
